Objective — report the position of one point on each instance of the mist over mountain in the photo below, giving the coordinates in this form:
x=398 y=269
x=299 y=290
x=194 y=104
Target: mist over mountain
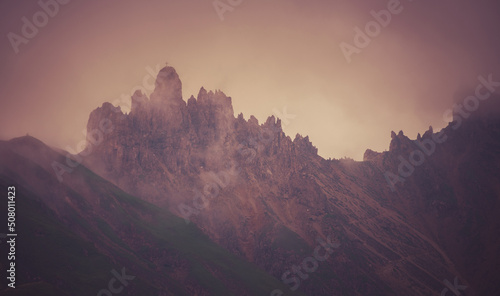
x=231 y=206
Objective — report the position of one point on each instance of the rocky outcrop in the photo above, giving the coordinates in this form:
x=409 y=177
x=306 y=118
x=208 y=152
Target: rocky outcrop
x=165 y=141
x=399 y=142
x=267 y=198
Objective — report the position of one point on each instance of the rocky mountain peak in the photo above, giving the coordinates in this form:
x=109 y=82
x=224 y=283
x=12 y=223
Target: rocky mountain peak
x=303 y=144
x=163 y=137
x=370 y=155
x=215 y=99
x=399 y=142
x=256 y=179
x=138 y=101
x=428 y=133
x=253 y=121
x=168 y=88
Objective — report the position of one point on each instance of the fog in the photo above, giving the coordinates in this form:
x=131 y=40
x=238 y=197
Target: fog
x=272 y=57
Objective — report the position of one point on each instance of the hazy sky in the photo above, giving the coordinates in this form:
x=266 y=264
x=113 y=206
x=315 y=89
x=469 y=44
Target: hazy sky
x=266 y=54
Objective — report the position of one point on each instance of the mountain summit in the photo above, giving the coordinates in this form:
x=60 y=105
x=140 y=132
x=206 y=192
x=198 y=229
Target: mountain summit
x=184 y=198
x=168 y=87
x=403 y=224
x=166 y=140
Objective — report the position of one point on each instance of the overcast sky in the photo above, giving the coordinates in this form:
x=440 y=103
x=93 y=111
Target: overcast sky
x=267 y=55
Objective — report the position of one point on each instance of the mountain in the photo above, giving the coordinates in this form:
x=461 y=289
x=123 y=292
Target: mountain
x=85 y=236
x=269 y=199
x=185 y=198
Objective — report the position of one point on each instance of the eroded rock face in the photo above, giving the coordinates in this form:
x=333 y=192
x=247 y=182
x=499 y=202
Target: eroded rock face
x=164 y=142
x=168 y=89
x=267 y=198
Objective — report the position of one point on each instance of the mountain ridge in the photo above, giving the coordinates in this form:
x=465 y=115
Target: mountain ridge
x=183 y=178
x=241 y=182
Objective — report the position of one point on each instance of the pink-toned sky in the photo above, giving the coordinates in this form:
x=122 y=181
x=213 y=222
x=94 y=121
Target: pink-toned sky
x=266 y=54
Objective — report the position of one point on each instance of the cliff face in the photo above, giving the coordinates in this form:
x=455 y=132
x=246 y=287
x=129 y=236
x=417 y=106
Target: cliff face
x=268 y=198
x=164 y=142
